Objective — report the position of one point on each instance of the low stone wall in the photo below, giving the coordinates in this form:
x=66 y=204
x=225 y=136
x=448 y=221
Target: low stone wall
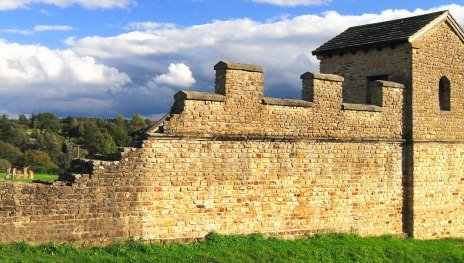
x=438 y=183
x=184 y=188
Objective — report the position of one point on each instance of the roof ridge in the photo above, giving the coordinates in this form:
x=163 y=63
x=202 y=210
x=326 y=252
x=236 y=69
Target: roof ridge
x=390 y=31
x=398 y=19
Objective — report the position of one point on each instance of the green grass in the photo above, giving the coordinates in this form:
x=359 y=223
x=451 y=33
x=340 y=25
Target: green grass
x=37 y=177
x=251 y=248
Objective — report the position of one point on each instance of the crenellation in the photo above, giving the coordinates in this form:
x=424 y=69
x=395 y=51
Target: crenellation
x=262 y=116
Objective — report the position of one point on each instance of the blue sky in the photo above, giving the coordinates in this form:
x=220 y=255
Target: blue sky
x=108 y=57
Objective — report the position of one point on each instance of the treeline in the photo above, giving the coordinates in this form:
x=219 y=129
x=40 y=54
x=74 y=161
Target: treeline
x=47 y=144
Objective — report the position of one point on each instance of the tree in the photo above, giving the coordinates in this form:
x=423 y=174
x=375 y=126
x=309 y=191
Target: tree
x=12 y=133
x=11 y=153
x=4 y=165
x=23 y=120
x=119 y=135
x=39 y=161
x=101 y=144
x=120 y=121
x=46 y=121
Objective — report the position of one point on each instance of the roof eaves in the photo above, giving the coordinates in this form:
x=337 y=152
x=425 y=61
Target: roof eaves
x=356 y=47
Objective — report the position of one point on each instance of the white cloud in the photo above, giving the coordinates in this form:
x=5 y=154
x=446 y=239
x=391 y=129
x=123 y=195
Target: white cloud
x=149 y=26
x=179 y=75
x=35 y=78
x=16 y=31
x=90 y=4
x=32 y=64
x=40 y=28
x=293 y=2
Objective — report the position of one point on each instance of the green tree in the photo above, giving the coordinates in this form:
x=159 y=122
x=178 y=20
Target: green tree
x=101 y=144
x=120 y=121
x=12 y=132
x=119 y=135
x=11 y=153
x=4 y=165
x=39 y=161
x=138 y=122
x=24 y=120
x=46 y=121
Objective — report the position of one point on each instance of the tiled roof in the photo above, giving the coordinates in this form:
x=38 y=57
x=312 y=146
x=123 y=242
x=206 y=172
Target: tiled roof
x=393 y=31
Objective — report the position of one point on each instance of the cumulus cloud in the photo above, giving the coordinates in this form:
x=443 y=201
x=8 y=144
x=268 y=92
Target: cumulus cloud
x=40 y=28
x=293 y=2
x=35 y=78
x=179 y=75
x=91 y=4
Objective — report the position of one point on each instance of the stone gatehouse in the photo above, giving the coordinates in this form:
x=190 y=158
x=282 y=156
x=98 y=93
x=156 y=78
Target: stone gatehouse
x=375 y=146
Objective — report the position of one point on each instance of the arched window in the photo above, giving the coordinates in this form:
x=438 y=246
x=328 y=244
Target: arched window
x=444 y=94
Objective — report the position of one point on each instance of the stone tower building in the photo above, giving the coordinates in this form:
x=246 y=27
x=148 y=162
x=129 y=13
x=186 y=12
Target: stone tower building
x=426 y=54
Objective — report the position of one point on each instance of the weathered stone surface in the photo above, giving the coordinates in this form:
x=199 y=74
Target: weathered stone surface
x=195 y=95
x=320 y=76
x=222 y=65
x=286 y=102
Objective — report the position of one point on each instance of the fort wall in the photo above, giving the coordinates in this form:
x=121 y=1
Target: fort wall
x=176 y=189
x=233 y=162
x=243 y=111
x=438 y=182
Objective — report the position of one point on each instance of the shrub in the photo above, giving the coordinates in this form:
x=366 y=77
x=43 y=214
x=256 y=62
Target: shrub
x=40 y=162
x=101 y=144
x=4 y=165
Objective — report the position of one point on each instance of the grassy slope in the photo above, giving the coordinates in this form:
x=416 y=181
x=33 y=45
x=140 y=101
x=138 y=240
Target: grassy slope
x=42 y=177
x=251 y=248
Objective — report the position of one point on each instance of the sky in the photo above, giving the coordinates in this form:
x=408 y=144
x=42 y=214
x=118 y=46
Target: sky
x=109 y=57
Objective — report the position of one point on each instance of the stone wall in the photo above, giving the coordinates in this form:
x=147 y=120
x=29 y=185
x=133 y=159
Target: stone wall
x=184 y=188
x=432 y=60
x=233 y=162
x=98 y=208
x=438 y=180
x=438 y=200
x=357 y=66
x=243 y=111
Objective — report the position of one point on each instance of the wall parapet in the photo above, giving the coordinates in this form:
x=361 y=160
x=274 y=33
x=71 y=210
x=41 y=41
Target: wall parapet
x=321 y=76
x=361 y=107
x=286 y=102
x=222 y=65
x=385 y=83
x=238 y=108
x=196 y=95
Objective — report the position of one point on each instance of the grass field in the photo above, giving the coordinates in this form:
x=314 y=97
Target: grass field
x=251 y=248
x=38 y=177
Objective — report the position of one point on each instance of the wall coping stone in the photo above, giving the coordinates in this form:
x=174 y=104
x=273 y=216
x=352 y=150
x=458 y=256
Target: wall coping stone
x=320 y=76
x=376 y=72
x=286 y=102
x=196 y=95
x=221 y=65
x=234 y=137
x=385 y=83
x=361 y=107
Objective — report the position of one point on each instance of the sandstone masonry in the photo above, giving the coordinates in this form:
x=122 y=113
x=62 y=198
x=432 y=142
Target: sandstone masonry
x=366 y=150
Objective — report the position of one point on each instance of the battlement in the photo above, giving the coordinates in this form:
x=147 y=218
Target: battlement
x=238 y=108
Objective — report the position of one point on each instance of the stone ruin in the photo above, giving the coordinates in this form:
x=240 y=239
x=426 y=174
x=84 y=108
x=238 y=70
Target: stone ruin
x=14 y=173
